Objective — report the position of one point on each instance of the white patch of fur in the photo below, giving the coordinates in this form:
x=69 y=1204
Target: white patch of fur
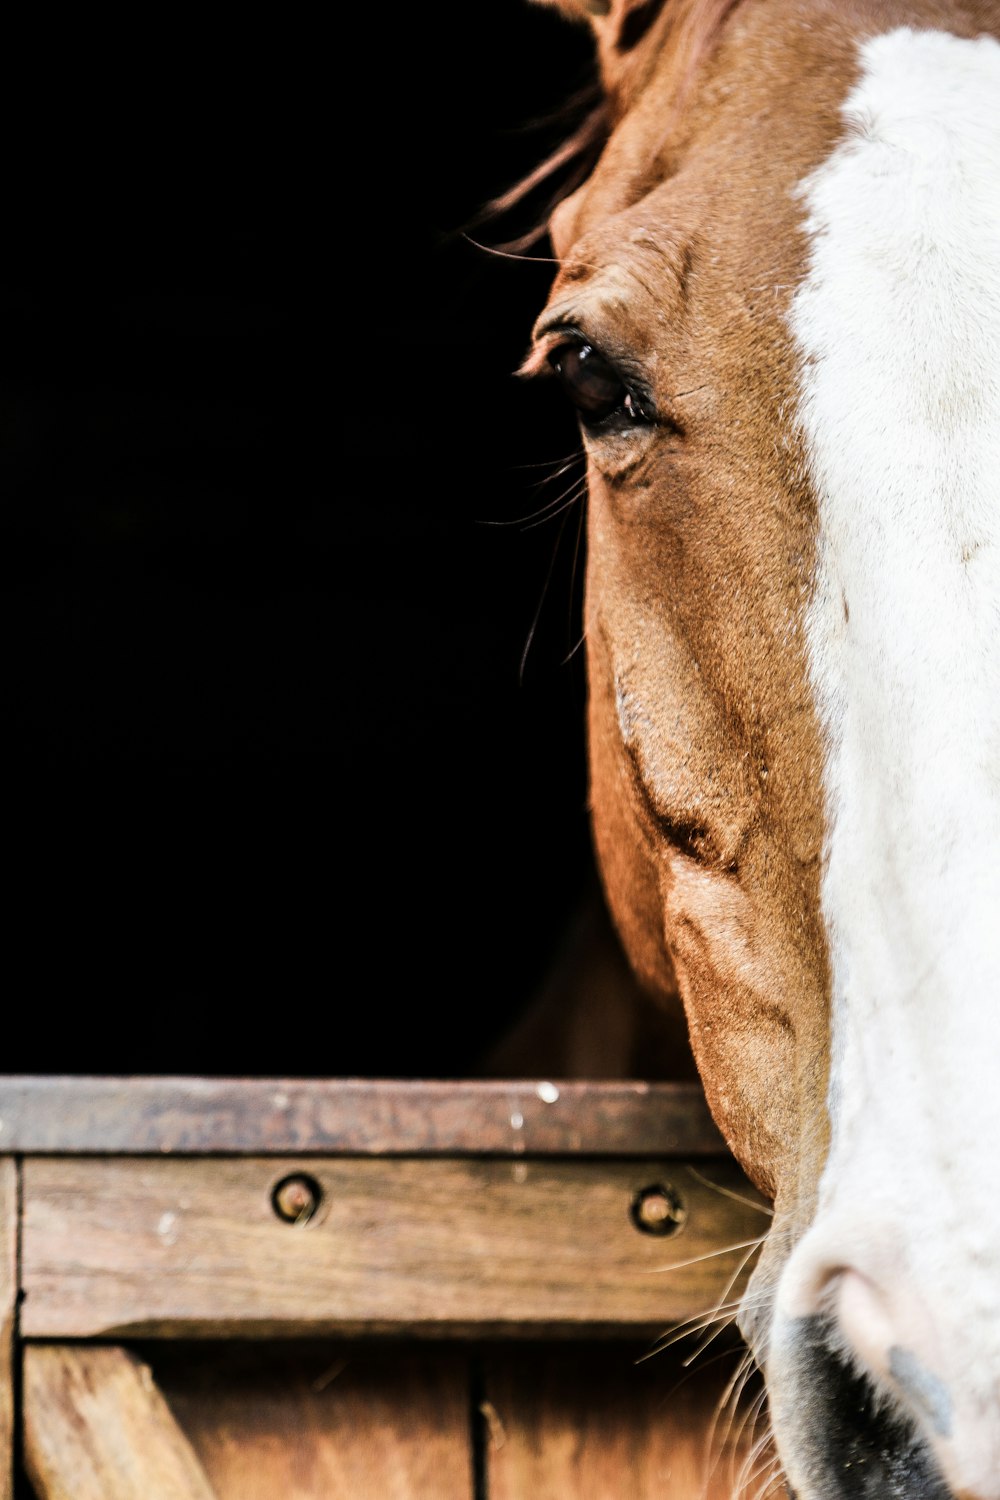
x=898 y=324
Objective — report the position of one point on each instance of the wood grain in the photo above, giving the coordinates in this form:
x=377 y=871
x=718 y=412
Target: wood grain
x=344 y=1423
x=596 y=1424
x=173 y=1247
x=261 y=1116
x=8 y=1306
x=96 y=1428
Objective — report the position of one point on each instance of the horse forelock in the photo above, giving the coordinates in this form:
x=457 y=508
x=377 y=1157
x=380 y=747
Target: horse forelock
x=623 y=26
x=644 y=34
x=633 y=39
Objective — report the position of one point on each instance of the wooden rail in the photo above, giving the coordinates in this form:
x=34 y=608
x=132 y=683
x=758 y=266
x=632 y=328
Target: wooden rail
x=355 y=1117
x=196 y=1248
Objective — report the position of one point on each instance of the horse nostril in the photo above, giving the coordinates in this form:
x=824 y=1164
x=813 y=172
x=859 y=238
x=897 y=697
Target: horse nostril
x=845 y=1440
x=877 y=1339
x=864 y=1320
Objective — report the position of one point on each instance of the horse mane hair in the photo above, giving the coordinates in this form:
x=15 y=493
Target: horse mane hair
x=566 y=168
x=688 y=27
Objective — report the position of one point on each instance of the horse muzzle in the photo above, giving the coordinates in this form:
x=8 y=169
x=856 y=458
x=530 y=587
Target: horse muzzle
x=868 y=1396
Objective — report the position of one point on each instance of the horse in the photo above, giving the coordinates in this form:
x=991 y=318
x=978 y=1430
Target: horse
x=776 y=311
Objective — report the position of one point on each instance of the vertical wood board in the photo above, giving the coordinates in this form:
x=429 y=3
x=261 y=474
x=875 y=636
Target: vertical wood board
x=595 y=1425
x=97 y=1428
x=9 y=1209
x=348 y=1423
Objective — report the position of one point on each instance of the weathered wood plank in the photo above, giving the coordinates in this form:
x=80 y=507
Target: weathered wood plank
x=347 y=1423
x=194 y=1246
x=260 y=1116
x=8 y=1305
x=595 y=1423
x=95 y=1426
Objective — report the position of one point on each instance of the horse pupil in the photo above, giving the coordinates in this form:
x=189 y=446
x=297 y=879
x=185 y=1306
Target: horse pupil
x=594 y=386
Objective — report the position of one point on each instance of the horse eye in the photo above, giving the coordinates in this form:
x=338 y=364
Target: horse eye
x=593 y=384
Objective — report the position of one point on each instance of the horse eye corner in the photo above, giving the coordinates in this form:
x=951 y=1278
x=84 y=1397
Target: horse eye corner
x=536 y=362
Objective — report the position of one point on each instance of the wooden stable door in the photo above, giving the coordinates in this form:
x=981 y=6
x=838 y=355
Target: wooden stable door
x=285 y=1291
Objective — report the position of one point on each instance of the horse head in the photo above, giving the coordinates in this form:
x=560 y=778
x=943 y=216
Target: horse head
x=777 y=312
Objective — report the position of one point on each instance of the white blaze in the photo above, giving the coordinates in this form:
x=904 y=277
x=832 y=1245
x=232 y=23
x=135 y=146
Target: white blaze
x=898 y=325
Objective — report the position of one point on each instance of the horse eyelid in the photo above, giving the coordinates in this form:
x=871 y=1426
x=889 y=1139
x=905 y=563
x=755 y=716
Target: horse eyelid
x=536 y=361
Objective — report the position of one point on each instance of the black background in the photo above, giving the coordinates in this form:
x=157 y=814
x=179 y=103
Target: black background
x=281 y=796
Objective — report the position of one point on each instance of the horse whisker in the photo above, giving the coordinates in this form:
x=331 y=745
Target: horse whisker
x=729 y=1286
x=750 y=1419
x=711 y=1254
x=725 y=1311
x=685 y=1330
x=751 y=1467
x=728 y=1193
x=570 y=654
x=541 y=601
x=579 y=485
x=575 y=492
x=743 y=1369
x=545 y=260
x=547 y=463
x=730 y=1398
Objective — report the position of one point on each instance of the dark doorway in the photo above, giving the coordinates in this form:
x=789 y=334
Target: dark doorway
x=288 y=789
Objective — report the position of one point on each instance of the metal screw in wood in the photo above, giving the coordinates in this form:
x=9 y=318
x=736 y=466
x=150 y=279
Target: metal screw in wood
x=296 y=1199
x=658 y=1210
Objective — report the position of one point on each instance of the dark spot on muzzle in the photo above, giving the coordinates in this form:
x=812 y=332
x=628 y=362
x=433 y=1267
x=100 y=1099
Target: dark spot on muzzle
x=845 y=1440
